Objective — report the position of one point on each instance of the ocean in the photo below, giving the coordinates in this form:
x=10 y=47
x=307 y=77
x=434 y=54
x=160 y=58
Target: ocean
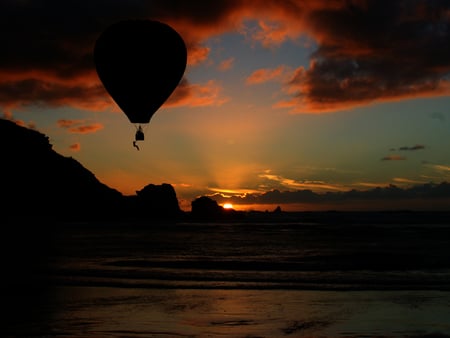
x=291 y=275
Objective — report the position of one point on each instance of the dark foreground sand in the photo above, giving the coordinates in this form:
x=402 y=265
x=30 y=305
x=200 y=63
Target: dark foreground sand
x=105 y=312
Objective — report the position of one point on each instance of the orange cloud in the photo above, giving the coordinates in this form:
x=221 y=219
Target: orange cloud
x=273 y=34
x=197 y=54
x=232 y=192
x=265 y=74
x=75 y=147
x=79 y=126
x=226 y=64
x=441 y=167
x=86 y=129
x=407 y=181
x=300 y=184
x=196 y=95
x=8 y=115
x=63 y=123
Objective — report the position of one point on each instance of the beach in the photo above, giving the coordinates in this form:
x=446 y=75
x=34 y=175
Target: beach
x=278 y=278
x=132 y=312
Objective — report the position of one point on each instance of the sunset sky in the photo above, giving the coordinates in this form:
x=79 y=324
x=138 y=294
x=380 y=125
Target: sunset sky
x=327 y=96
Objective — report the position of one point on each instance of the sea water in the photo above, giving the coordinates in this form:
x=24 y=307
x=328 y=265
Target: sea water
x=254 y=278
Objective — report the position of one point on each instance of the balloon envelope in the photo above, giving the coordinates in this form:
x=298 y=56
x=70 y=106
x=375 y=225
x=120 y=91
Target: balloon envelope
x=140 y=63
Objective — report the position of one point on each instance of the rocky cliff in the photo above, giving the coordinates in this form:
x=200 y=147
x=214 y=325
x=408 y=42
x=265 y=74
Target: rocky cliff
x=38 y=183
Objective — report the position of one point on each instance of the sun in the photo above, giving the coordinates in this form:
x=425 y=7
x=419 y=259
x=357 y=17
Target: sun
x=228 y=206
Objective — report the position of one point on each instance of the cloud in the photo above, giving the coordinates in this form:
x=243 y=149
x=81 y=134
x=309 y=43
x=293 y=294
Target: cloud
x=438 y=171
x=372 y=51
x=75 y=147
x=79 y=126
x=393 y=158
x=197 y=54
x=266 y=74
x=368 y=51
x=415 y=147
x=392 y=195
x=226 y=64
x=299 y=184
x=44 y=89
x=47 y=48
x=441 y=167
x=232 y=192
x=8 y=115
x=272 y=34
x=196 y=95
x=378 y=51
x=403 y=180
x=63 y=123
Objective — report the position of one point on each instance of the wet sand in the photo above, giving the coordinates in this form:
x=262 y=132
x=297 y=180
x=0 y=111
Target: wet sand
x=101 y=312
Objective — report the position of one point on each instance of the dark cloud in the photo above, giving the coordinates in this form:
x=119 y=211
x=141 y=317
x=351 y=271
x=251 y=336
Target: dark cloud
x=53 y=93
x=374 y=51
x=368 y=50
x=428 y=191
x=47 y=46
x=59 y=36
x=415 y=147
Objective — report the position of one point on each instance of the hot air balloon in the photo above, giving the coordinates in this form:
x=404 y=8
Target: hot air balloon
x=140 y=63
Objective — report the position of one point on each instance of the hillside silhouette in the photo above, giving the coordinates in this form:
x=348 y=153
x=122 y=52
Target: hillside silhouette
x=40 y=184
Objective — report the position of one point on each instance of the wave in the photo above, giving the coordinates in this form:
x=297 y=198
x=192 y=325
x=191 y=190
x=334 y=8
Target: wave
x=256 y=256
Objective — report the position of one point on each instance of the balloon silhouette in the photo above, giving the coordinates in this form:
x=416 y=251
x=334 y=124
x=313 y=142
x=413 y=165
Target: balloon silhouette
x=140 y=63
